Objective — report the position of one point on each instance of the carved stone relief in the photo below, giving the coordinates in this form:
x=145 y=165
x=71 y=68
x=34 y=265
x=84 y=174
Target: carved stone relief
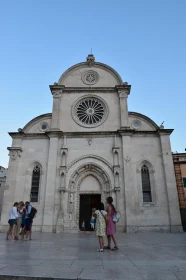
x=14 y=153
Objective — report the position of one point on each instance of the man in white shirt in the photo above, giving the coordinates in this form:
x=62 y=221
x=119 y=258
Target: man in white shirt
x=13 y=215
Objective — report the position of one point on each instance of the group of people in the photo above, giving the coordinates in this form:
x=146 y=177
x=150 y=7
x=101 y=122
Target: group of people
x=20 y=222
x=21 y=219
x=106 y=225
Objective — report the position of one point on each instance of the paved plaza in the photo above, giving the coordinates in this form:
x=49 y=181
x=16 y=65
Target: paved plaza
x=154 y=256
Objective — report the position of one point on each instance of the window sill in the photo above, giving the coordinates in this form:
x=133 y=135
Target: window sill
x=149 y=204
x=35 y=204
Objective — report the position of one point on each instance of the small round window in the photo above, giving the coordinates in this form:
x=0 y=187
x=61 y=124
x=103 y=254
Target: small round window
x=43 y=126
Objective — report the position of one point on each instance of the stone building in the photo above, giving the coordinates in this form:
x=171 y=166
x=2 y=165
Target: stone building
x=3 y=174
x=179 y=160
x=88 y=148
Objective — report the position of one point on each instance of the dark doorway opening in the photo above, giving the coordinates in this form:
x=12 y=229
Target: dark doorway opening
x=88 y=205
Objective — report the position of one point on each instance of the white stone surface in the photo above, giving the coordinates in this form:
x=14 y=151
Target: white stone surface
x=105 y=160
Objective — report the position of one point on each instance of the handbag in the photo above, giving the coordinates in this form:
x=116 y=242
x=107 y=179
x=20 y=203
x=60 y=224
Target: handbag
x=116 y=217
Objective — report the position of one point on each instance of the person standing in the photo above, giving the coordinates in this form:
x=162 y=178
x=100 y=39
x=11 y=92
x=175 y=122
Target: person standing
x=19 y=218
x=100 y=225
x=28 y=220
x=83 y=226
x=111 y=225
x=92 y=222
x=13 y=215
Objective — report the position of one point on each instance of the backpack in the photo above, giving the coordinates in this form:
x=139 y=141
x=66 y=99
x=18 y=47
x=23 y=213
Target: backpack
x=32 y=213
x=116 y=217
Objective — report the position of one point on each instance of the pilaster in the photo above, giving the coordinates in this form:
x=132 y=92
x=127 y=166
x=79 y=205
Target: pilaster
x=10 y=188
x=50 y=184
x=57 y=94
x=123 y=92
x=129 y=197
x=170 y=184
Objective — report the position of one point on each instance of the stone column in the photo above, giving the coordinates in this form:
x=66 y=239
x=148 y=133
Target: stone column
x=10 y=188
x=49 y=204
x=123 y=92
x=55 y=110
x=170 y=183
x=129 y=193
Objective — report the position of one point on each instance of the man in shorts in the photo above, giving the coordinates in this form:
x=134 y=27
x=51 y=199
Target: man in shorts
x=28 y=220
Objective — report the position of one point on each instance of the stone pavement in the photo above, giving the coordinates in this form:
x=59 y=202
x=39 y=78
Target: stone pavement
x=154 y=256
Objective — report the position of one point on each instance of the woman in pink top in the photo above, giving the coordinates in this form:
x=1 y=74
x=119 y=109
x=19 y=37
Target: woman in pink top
x=111 y=226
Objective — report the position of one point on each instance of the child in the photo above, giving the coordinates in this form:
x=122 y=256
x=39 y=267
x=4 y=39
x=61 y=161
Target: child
x=100 y=225
x=83 y=226
x=92 y=222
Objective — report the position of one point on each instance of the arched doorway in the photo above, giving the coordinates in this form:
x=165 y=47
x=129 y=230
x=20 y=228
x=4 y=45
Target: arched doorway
x=92 y=181
x=88 y=201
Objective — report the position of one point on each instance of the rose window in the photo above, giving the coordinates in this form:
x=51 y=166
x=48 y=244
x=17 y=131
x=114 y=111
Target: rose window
x=90 y=111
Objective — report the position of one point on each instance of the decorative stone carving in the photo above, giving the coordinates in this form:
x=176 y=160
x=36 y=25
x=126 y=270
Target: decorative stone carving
x=64 y=153
x=90 y=77
x=14 y=152
x=116 y=181
x=71 y=203
x=57 y=94
x=79 y=175
x=90 y=111
x=89 y=156
x=136 y=124
x=89 y=141
x=147 y=163
x=123 y=93
x=127 y=159
x=90 y=60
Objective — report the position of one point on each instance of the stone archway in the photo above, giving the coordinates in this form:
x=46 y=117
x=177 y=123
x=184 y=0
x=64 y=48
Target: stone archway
x=74 y=188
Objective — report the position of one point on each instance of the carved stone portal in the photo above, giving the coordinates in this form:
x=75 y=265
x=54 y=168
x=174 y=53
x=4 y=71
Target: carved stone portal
x=76 y=179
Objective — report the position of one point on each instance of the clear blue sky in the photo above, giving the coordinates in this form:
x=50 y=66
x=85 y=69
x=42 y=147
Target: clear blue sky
x=144 y=40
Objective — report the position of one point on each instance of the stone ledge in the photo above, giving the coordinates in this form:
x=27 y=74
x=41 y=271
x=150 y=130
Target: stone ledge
x=135 y=229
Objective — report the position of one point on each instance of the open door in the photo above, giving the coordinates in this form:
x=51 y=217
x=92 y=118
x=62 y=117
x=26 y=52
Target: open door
x=88 y=205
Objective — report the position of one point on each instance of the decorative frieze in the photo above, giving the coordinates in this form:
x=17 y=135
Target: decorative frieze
x=14 y=152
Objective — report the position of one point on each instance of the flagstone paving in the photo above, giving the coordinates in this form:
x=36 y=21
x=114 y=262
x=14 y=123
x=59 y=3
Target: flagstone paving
x=141 y=256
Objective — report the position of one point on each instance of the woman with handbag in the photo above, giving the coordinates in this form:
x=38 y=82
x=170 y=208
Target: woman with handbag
x=111 y=225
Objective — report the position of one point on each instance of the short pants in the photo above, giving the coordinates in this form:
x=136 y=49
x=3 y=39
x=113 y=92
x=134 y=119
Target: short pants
x=28 y=224
x=12 y=222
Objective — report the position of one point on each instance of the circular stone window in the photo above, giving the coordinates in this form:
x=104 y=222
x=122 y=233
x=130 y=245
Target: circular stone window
x=90 y=77
x=43 y=126
x=136 y=124
x=90 y=111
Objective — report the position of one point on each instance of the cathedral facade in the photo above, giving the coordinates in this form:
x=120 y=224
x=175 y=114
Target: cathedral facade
x=91 y=147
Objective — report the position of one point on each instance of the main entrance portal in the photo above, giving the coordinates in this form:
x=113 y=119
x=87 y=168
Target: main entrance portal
x=88 y=205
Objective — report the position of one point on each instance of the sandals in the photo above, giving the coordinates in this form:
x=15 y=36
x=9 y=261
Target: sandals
x=115 y=248
x=106 y=247
x=100 y=250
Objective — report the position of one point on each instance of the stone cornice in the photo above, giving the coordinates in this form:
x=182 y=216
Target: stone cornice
x=164 y=131
x=54 y=133
x=123 y=90
x=56 y=88
x=17 y=135
x=14 y=149
x=85 y=134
